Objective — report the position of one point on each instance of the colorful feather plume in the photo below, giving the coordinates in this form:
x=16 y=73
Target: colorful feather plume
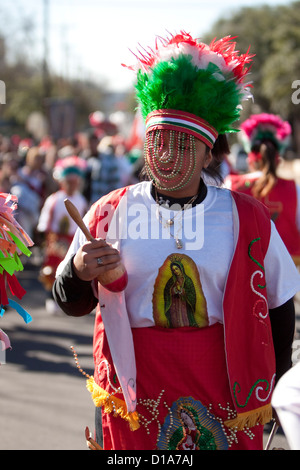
x=69 y=165
x=14 y=242
x=266 y=124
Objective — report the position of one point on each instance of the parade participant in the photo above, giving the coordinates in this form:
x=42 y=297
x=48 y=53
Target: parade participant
x=265 y=137
x=184 y=356
x=55 y=223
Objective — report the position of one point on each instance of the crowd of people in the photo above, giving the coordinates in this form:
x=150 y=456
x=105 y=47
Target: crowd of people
x=41 y=174
x=27 y=168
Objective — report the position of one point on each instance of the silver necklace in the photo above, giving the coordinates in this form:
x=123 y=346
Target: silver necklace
x=168 y=223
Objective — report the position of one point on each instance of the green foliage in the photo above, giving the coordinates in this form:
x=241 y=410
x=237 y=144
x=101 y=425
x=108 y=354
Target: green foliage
x=28 y=88
x=283 y=66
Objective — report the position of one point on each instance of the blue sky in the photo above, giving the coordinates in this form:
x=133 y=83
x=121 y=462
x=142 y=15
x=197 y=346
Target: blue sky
x=91 y=38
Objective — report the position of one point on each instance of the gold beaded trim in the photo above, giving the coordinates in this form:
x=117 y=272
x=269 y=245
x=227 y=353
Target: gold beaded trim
x=112 y=404
x=109 y=402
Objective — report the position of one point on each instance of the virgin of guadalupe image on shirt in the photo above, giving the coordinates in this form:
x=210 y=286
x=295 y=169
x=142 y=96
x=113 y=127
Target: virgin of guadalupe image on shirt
x=178 y=299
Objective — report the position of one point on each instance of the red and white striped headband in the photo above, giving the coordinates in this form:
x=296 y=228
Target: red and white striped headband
x=182 y=121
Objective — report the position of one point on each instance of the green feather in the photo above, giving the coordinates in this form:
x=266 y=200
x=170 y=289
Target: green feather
x=179 y=84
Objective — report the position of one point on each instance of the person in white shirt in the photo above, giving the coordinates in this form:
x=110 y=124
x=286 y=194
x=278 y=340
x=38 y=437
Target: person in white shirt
x=55 y=224
x=184 y=349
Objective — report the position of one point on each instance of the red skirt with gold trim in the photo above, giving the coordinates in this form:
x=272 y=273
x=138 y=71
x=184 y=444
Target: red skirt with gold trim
x=183 y=395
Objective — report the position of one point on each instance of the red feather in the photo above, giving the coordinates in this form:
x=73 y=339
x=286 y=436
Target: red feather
x=225 y=47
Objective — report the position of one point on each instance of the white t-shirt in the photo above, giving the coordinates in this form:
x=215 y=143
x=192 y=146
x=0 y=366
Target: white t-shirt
x=149 y=241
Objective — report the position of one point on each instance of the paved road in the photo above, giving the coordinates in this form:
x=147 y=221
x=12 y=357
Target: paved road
x=44 y=403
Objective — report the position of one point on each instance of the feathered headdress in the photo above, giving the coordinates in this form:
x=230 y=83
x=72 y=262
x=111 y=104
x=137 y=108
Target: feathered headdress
x=190 y=86
x=69 y=165
x=264 y=126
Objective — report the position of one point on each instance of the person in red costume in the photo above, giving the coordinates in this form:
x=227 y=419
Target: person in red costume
x=233 y=275
x=266 y=136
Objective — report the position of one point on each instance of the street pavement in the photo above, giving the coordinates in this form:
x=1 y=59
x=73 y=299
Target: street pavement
x=44 y=403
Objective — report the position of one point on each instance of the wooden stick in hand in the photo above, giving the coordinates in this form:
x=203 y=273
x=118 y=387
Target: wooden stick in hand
x=115 y=280
x=74 y=213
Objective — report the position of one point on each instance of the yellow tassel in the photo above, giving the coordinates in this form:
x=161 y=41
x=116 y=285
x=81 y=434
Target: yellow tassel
x=110 y=404
x=249 y=419
x=296 y=260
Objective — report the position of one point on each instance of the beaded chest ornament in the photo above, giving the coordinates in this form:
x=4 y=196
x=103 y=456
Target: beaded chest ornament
x=168 y=223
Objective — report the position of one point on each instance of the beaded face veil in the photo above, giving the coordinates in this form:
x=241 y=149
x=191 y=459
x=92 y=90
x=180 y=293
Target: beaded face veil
x=192 y=91
x=170 y=148
x=175 y=167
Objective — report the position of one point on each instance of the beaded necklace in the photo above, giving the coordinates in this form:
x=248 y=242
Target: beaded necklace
x=178 y=205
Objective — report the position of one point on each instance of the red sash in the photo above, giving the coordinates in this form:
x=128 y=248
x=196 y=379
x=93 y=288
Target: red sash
x=248 y=338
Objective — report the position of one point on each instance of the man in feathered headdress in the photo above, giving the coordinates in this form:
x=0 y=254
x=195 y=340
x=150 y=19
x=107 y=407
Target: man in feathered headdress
x=222 y=368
